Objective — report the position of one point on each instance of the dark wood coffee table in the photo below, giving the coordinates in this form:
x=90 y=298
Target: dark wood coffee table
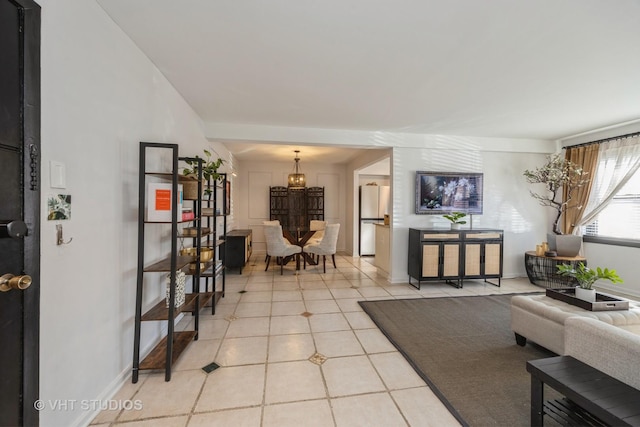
x=593 y=398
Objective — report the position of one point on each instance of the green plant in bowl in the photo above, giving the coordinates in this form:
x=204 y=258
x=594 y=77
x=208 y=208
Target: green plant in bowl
x=456 y=217
x=209 y=168
x=586 y=276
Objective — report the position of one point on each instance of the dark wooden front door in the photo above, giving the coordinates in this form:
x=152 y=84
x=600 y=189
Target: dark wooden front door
x=19 y=211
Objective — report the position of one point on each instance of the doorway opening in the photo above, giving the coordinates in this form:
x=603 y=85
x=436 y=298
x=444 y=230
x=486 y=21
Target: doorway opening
x=373 y=208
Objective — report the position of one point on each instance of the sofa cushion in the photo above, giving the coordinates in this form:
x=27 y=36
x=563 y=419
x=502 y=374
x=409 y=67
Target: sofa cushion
x=612 y=350
x=541 y=319
x=559 y=311
x=634 y=329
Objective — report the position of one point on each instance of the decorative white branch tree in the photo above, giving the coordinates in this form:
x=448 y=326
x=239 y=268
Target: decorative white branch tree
x=558 y=176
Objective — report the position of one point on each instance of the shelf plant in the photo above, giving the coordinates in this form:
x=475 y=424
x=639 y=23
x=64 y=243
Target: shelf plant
x=586 y=276
x=456 y=217
x=209 y=168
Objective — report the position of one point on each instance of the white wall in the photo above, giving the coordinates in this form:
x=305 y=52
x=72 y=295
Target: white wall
x=507 y=203
x=100 y=97
x=251 y=194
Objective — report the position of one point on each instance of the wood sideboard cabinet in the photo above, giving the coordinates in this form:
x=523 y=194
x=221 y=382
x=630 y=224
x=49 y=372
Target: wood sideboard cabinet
x=238 y=247
x=455 y=255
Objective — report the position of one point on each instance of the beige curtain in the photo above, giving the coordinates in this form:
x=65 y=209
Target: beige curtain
x=585 y=156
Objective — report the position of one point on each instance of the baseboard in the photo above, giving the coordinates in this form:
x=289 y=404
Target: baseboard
x=114 y=387
x=108 y=393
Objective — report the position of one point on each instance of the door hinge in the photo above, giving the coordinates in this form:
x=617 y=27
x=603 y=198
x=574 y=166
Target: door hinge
x=33 y=154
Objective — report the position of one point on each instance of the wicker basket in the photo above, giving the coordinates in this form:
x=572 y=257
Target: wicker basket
x=190 y=190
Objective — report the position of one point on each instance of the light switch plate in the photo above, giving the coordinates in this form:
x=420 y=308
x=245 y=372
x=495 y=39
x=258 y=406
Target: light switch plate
x=57 y=174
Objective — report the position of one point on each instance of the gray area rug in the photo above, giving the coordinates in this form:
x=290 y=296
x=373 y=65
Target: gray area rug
x=465 y=350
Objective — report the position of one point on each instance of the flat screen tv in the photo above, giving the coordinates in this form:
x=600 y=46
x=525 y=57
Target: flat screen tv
x=444 y=192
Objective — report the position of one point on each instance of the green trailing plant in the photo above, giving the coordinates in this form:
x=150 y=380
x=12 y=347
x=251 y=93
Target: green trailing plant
x=586 y=276
x=558 y=175
x=456 y=217
x=209 y=168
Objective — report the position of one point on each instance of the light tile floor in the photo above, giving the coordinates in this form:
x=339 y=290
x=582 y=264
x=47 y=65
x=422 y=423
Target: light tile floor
x=295 y=350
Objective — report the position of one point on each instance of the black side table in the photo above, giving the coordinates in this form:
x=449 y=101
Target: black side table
x=593 y=398
x=542 y=270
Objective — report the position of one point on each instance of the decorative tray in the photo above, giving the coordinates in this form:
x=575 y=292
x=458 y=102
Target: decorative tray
x=604 y=302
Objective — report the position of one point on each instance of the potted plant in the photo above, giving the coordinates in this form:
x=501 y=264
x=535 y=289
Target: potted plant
x=209 y=172
x=558 y=176
x=586 y=277
x=456 y=219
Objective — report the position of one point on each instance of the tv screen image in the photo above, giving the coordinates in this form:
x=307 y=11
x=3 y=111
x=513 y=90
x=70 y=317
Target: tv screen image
x=444 y=192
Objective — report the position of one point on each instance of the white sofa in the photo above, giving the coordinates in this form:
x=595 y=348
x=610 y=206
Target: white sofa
x=614 y=350
x=542 y=319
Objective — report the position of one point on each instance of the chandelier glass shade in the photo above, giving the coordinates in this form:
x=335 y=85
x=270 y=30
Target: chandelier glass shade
x=297 y=179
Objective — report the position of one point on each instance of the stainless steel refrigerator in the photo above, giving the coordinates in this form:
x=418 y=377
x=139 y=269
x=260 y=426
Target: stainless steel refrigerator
x=374 y=204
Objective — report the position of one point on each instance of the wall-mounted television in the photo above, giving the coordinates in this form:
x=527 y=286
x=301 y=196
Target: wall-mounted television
x=443 y=192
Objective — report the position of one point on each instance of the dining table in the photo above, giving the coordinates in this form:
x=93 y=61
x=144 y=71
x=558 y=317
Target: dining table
x=300 y=236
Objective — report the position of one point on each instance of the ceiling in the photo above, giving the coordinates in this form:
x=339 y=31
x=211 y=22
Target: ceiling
x=274 y=152
x=543 y=69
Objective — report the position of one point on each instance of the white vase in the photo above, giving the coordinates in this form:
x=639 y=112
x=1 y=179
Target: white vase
x=455 y=226
x=586 y=294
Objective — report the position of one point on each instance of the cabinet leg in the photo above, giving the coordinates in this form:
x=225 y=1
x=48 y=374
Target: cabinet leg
x=494 y=284
x=417 y=287
x=456 y=284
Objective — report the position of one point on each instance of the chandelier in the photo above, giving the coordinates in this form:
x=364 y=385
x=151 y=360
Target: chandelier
x=296 y=179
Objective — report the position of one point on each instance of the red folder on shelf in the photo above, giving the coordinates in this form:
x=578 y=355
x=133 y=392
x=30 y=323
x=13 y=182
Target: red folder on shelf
x=159 y=202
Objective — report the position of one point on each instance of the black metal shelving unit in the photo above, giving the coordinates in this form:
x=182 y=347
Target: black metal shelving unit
x=168 y=350
x=215 y=275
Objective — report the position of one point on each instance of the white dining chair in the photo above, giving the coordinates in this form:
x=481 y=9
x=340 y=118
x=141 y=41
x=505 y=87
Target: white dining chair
x=271 y=222
x=326 y=246
x=277 y=246
x=318 y=226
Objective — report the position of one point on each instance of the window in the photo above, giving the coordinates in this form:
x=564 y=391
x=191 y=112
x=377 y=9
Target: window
x=621 y=218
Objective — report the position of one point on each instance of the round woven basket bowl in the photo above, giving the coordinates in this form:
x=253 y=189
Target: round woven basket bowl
x=190 y=190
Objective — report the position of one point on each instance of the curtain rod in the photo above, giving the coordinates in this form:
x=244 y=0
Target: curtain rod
x=600 y=141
